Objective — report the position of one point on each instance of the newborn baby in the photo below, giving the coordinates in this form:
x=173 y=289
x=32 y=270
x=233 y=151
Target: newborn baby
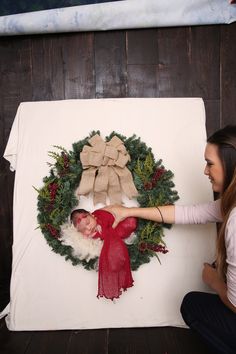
x=114 y=264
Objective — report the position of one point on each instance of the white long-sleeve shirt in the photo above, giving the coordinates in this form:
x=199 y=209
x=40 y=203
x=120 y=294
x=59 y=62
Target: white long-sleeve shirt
x=210 y=212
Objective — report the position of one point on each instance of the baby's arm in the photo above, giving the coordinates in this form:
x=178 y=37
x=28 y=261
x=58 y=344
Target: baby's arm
x=125 y=228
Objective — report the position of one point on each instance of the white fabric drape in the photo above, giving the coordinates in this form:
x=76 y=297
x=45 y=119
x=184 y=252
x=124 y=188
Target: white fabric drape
x=48 y=293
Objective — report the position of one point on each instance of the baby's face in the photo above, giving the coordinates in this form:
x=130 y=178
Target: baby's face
x=87 y=225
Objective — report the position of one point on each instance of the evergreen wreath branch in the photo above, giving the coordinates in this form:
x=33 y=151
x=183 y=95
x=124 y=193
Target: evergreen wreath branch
x=56 y=199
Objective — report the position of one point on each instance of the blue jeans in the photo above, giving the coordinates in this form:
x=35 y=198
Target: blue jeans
x=212 y=320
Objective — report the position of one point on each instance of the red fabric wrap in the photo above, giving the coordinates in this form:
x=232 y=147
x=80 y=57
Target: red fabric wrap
x=114 y=273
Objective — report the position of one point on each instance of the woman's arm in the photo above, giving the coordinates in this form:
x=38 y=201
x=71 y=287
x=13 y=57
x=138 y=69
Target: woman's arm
x=160 y=214
x=170 y=214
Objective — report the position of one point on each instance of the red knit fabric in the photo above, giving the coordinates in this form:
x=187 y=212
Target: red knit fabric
x=114 y=273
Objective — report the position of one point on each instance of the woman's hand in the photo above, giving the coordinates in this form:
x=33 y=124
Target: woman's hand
x=118 y=211
x=210 y=276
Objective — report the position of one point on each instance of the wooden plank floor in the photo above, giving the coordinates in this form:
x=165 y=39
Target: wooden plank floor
x=195 y=61
x=162 y=340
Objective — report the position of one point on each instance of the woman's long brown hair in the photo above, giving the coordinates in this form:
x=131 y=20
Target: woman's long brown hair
x=225 y=139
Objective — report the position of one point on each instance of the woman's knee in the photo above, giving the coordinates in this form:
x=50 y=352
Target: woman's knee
x=199 y=306
x=189 y=307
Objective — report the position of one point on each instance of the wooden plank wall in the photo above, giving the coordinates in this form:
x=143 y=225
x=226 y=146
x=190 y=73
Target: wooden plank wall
x=166 y=62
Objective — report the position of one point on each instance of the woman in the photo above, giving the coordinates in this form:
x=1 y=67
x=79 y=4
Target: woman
x=213 y=316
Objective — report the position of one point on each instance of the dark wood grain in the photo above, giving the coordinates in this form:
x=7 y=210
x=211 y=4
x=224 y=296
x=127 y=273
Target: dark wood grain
x=9 y=94
x=6 y=241
x=128 y=341
x=46 y=75
x=204 y=56
x=141 y=81
x=154 y=340
x=212 y=108
x=78 y=65
x=174 y=62
x=13 y=342
x=228 y=75
x=49 y=342
x=110 y=64
x=89 y=342
x=142 y=47
x=175 y=340
x=10 y=89
x=142 y=59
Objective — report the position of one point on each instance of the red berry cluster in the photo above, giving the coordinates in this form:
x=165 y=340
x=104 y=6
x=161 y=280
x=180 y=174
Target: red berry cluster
x=157 y=175
x=143 y=246
x=53 y=231
x=66 y=164
x=65 y=160
x=53 y=187
x=159 y=248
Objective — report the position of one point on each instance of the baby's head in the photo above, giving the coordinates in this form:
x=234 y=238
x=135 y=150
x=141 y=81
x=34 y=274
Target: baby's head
x=84 y=222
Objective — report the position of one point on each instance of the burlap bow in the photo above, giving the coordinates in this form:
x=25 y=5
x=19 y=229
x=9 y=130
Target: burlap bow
x=105 y=172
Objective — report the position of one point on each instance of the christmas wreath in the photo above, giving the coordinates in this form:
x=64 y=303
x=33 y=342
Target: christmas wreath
x=56 y=199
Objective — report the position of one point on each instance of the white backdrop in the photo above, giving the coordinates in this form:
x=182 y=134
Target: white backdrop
x=48 y=293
